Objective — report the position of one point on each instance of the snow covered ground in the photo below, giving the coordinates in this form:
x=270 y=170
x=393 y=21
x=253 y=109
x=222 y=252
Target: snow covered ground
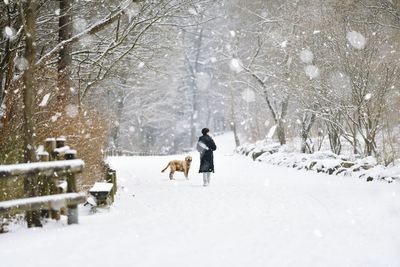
x=252 y=214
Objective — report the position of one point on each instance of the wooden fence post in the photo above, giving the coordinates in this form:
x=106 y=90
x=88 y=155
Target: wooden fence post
x=60 y=142
x=71 y=188
x=44 y=182
x=31 y=190
x=112 y=178
x=50 y=146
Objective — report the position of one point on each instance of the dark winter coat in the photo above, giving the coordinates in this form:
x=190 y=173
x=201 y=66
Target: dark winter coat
x=206 y=155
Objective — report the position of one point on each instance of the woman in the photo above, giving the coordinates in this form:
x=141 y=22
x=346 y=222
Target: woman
x=206 y=146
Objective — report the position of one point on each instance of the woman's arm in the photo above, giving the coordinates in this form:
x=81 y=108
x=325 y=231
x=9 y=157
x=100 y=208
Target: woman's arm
x=212 y=146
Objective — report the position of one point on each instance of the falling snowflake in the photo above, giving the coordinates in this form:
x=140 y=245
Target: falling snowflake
x=248 y=96
x=79 y=25
x=356 y=39
x=71 y=111
x=55 y=117
x=45 y=100
x=306 y=56
x=192 y=11
x=236 y=65
x=368 y=96
x=9 y=32
x=21 y=63
x=312 y=71
x=132 y=10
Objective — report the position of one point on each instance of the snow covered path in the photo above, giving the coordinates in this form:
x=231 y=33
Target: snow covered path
x=252 y=214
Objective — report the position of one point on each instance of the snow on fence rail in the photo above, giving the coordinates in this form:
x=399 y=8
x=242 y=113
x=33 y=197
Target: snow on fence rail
x=51 y=168
x=44 y=202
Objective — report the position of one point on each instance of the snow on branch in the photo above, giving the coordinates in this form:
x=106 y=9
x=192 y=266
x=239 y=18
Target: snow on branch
x=89 y=31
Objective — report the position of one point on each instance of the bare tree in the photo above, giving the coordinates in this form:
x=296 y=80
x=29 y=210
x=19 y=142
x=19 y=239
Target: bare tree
x=29 y=14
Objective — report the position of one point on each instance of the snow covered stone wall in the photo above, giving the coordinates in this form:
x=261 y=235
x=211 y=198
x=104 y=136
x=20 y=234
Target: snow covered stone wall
x=321 y=161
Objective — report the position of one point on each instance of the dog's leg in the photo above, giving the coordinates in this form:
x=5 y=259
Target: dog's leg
x=172 y=171
x=186 y=174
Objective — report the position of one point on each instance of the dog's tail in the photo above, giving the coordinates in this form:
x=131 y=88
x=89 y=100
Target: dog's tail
x=165 y=168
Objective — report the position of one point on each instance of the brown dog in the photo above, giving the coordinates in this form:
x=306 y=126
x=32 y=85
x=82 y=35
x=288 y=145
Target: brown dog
x=180 y=166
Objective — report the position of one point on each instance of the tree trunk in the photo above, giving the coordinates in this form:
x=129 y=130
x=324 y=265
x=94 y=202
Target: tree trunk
x=30 y=183
x=304 y=137
x=7 y=71
x=370 y=146
x=278 y=118
x=306 y=124
x=233 y=123
x=355 y=140
x=115 y=130
x=64 y=82
x=281 y=122
x=334 y=141
x=280 y=129
x=235 y=135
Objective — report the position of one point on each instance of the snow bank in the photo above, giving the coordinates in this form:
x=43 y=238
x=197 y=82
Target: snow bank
x=321 y=161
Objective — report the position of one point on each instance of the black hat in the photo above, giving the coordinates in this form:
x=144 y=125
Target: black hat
x=204 y=131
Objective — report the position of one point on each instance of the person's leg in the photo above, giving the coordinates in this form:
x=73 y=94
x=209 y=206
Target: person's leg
x=205 y=180
x=208 y=177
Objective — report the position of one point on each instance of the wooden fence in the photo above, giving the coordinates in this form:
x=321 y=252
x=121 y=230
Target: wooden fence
x=122 y=152
x=44 y=194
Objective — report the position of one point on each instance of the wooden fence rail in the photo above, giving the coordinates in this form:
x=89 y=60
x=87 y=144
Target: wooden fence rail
x=49 y=169
x=44 y=202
